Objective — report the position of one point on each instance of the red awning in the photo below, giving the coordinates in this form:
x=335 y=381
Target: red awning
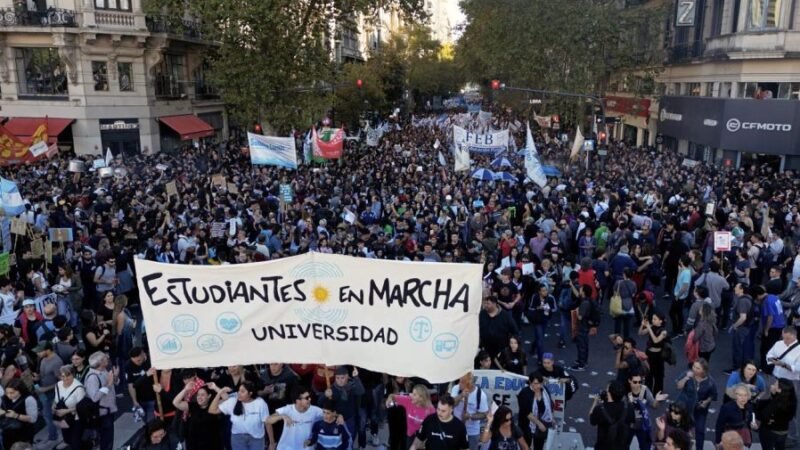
x=25 y=127
x=188 y=126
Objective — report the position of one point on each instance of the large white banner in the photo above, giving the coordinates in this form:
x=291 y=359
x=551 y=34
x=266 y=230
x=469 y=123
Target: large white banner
x=500 y=386
x=401 y=318
x=272 y=151
x=493 y=143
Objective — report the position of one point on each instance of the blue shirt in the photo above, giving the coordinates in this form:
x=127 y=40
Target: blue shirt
x=772 y=307
x=684 y=279
x=694 y=392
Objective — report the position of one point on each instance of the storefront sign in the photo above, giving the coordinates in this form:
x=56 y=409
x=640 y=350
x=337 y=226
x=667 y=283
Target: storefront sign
x=122 y=124
x=628 y=105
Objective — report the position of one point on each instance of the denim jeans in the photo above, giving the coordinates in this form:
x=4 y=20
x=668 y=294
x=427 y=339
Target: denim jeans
x=583 y=345
x=622 y=325
x=473 y=441
x=46 y=399
x=246 y=442
x=538 y=339
x=566 y=325
x=700 y=416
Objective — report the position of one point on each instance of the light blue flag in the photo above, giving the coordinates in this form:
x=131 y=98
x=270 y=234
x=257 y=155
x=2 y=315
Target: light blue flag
x=532 y=165
x=10 y=198
x=272 y=151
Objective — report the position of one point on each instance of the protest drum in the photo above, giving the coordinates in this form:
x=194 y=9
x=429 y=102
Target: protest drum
x=77 y=166
x=106 y=172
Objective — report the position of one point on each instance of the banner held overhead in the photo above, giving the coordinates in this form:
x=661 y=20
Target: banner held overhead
x=422 y=320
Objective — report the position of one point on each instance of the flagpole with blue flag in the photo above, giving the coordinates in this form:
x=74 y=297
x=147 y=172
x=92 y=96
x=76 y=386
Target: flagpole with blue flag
x=532 y=165
x=10 y=198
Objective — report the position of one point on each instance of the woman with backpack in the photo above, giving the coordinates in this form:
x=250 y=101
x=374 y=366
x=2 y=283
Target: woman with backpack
x=123 y=326
x=705 y=331
x=69 y=391
x=626 y=290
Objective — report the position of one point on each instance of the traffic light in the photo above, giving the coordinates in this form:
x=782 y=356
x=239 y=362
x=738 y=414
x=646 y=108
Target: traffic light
x=359 y=83
x=495 y=85
x=257 y=128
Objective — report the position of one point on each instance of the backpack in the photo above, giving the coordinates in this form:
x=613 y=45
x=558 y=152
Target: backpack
x=88 y=410
x=565 y=299
x=617 y=431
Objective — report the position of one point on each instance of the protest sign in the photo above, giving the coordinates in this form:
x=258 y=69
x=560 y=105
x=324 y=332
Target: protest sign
x=4 y=264
x=99 y=163
x=232 y=189
x=287 y=193
x=218 y=229
x=218 y=179
x=395 y=317
x=723 y=241
x=557 y=391
x=38 y=149
x=171 y=188
x=60 y=234
x=481 y=143
x=272 y=151
x=37 y=248
x=501 y=387
x=19 y=226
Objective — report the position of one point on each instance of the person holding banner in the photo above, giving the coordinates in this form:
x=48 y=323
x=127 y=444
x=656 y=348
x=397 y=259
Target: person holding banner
x=535 y=411
x=248 y=414
x=298 y=420
x=501 y=433
x=417 y=406
x=471 y=407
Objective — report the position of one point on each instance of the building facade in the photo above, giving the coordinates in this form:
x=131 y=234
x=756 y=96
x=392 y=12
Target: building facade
x=104 y=75
x=729 y=85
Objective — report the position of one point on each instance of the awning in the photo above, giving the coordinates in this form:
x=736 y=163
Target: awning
x=25 y=127
x=188 y=126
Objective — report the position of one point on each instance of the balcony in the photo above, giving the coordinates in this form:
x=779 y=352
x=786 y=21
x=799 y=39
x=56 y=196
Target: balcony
x=683 y=53
x=754 y=44
x=113 y=19
x=186 y=28
x=169 y=88
x=53 y=17
x=204 y=91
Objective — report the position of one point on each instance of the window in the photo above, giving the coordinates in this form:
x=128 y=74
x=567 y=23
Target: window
x=40 y=72
x=725 y=89
x=693 y=89
x=100 y=75
x=749 y=89
x=789 y=91
x=171 y=77
x=125 y=70
x=764 y=14
x=119 y=5
x=709 y=89
x=202 y=87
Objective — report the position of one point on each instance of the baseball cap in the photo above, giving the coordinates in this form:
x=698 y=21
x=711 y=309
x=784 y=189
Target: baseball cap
x=28 y=302
x=42 y=346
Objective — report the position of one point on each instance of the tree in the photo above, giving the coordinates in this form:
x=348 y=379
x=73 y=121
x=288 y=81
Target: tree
x=271 y=59
x=571 y=46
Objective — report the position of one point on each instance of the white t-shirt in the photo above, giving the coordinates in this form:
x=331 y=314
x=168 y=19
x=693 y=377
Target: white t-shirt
x=8 y=314
x=473 y=426
x=251 y=421
x=293 y=437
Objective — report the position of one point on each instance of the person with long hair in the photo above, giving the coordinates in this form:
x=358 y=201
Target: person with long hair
x=203 y=428
x=774 y=414
x=698 y=390
x=513 y=358
x=396 y=417
x=747 y=375
x=501 y=433
x=675 y=418
x=417 y=406
x=705 y=331
x=248 y=414
x=657 y=334
x=19 y=413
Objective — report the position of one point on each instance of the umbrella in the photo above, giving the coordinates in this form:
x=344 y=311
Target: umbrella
x=551 y=171
x=505 y=176
x=483 y=175
x=501 y=162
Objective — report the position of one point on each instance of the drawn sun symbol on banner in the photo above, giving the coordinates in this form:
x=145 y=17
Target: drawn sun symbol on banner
x=320 y=294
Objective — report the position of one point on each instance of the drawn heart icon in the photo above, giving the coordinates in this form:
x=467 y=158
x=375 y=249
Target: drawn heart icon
x=229 y=324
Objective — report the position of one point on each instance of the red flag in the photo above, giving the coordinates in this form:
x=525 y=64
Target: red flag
x=330 y=145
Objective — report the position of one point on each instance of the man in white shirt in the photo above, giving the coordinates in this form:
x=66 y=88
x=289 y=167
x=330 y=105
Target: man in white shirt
x=785 y=357
x=471 y=406
x=298 y=419
x=8 y=300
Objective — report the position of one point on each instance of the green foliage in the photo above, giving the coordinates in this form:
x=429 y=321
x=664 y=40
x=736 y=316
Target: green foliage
x=570 y=46
x=272 y=56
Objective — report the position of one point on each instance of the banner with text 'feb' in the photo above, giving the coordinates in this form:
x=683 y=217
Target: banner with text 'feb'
x=401 y=318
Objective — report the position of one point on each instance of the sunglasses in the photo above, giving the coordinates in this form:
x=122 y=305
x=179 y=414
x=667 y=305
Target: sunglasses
x=636 y=381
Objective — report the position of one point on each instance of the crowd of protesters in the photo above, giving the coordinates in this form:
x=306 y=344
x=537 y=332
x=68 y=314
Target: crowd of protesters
x=593 y=246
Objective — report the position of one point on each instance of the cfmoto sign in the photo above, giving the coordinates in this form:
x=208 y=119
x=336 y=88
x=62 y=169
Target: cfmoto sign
x=733 y=125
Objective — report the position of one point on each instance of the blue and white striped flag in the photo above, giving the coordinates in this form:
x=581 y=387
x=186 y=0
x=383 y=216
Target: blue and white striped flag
x=532 y=165
x=10 y=198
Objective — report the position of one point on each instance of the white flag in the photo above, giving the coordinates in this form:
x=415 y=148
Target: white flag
x=442 y=161
x=577 y=145
x=532 y=165
x=461 y=157
x=437 y=144
x=109 y=156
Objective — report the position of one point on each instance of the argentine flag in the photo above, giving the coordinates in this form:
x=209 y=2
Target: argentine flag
x=533 y=167
x=10 y=198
